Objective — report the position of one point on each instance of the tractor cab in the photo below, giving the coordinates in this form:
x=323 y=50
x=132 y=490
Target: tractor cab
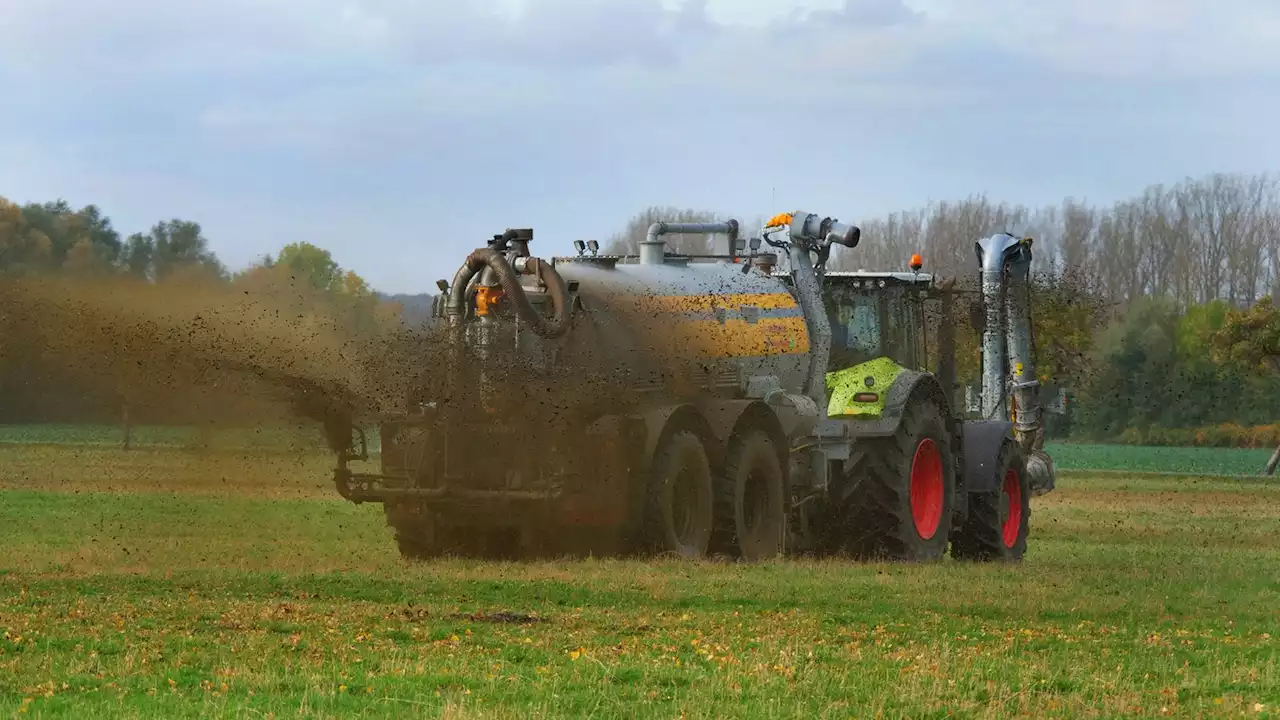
x=877 y=333
x=875 y=315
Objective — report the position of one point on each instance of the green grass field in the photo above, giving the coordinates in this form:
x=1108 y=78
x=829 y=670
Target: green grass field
x=163 y=583
x=287 y=438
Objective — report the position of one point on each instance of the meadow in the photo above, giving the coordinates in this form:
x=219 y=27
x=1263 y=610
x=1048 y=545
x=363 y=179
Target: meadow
x=168 y=582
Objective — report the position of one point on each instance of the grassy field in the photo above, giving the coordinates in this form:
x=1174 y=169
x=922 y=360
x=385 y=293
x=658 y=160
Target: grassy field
x=168 y=584
x=263 y=439
x=1131 y=459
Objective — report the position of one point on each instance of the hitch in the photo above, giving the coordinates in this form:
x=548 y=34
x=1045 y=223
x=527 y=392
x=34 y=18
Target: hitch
x=349 y=454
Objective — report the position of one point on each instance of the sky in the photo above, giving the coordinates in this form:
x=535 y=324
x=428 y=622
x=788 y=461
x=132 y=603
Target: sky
x=399 y=134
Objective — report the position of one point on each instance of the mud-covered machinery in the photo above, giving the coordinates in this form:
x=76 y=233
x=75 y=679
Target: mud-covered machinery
x=655 y=403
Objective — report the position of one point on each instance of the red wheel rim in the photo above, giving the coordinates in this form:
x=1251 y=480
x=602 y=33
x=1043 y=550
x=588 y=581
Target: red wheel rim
x=1013 y=515
x=926 y=488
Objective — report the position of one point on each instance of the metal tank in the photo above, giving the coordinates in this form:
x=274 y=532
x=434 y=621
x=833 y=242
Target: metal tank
x=628 y=325
x=693 y=326
x=558 y=380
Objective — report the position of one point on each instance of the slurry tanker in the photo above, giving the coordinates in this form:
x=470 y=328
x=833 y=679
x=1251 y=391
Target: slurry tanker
x=694 y=406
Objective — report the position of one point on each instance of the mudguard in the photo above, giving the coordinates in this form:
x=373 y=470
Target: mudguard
x=657 y=420
x=982 y=442
x=895 y=404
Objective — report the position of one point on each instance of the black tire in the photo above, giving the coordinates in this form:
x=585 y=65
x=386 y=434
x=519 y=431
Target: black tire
x=903 y=490
x=999 y=521
x=419 y=536
x=680 y=509
x=414 y=530
x=751 y=499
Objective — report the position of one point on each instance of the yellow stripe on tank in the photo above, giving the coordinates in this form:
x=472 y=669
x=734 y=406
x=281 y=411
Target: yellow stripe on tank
x=733 y=338
x=712 y=301
x=711 y=325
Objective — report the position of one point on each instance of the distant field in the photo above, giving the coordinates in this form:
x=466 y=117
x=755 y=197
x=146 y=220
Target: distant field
x=1068 y=456
x=163 y=437
x=162 y=583
x=1178 y=460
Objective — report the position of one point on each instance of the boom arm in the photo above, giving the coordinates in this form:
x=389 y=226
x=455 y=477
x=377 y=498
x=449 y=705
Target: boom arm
x=809 y=233
x=1005 y=262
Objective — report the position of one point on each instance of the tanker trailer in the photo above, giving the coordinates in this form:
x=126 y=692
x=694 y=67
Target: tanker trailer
x=652 y=404
x=600 y=404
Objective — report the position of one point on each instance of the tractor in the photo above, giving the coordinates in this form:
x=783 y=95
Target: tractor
x=699 y=406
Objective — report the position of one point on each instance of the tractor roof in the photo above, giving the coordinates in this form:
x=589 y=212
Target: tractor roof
x=890 y=278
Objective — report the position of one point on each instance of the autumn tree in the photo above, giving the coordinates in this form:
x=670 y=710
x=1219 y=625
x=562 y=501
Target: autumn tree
x=24 y=249
x=82 y=240
x=1251 y=338
x=173 y=249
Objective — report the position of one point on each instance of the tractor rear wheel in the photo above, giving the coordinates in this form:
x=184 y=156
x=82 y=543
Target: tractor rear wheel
x=680 y=509
x=904 y=490
x=751 y=499
x=998 y=520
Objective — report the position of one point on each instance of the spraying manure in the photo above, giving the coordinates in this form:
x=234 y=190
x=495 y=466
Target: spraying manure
x=265 y=354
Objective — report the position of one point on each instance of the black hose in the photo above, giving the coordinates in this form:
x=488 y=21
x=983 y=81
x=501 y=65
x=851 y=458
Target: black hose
x=557 y=326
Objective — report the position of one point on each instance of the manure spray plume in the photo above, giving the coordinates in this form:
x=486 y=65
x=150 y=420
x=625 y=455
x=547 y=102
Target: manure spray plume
x=164 y=340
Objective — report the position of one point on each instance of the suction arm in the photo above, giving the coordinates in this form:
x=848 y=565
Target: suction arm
x=1005 y=261
x=811 y=233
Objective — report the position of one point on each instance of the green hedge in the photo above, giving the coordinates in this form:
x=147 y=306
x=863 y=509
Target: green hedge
x=1227 y=435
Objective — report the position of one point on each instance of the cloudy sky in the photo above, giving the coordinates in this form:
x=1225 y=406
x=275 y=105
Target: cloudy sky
x=400 y=133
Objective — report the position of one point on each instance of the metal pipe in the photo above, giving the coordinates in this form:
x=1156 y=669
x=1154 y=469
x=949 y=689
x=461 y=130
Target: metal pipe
x=1006 y=283
x=488 y=258
x=658 y=229
x=812 y=233
x=1273 y=462
x=991 y=260
x=652 y=252
x=1026 y=385
x=809 y=293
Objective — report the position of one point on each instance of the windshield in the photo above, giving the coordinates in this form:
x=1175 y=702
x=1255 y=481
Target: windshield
x=871 y=323
x=856 y=332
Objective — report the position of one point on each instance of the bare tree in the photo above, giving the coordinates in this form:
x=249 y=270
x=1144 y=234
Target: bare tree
x=1079 y=228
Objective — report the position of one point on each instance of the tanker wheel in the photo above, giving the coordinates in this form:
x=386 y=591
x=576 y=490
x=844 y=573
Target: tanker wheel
x=901 y=506
x=680 y=502
x=751 y=499
x=414 y=529
x=999 y=521
x=420 y=537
